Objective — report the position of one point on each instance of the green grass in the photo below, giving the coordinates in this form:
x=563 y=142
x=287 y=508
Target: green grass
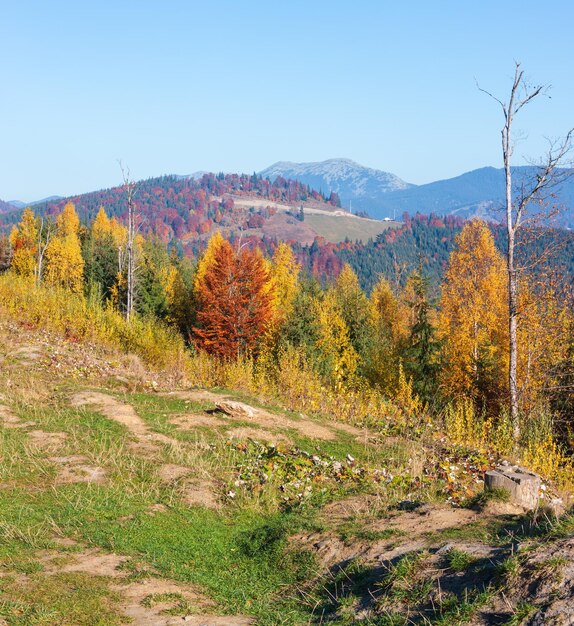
x=242 y=555
x=508 y=570
x=240 y=561
x=455 y=611
x=337 y=229
x=521 y=612
x=403 y=571
x=74 y=598
x=488 y=495
x=458 y=560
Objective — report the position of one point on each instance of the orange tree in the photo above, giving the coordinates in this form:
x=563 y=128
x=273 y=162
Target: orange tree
x=234 y=302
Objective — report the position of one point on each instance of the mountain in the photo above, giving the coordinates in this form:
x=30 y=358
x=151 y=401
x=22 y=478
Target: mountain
x=18 y=204
x=5 y=207
x=355 y=184
x=48 y=199
x=189 y=208
x=477 y=193
x=195 y=176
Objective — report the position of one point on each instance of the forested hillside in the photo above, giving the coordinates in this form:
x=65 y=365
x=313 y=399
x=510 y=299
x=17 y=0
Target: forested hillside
x=426 y=241
x=174 y=206
x=237 y=300
x=375 y=416
x=5 y=207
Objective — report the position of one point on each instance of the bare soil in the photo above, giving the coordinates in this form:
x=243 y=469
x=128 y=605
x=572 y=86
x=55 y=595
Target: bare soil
x=258 y=434
x=139 y=597
x=77 y=469
x=268 y=420
x=123 y=414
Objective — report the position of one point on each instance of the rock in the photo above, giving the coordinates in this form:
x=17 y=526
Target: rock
x=235 y=409
x=445 y=549
x=523 y=486
x=408 y=505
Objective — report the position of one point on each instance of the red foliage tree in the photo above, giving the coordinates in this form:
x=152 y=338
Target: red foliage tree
x=234 y=303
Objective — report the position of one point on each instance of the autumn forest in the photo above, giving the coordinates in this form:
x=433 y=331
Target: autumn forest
x=432 y=358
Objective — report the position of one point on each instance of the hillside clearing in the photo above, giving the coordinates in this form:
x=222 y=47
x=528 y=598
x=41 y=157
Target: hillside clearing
x=121 y=505
x=339 y=228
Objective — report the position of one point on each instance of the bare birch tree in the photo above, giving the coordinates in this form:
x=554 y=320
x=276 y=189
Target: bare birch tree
x=45 y=232
x=520 y=201
x=130 y=188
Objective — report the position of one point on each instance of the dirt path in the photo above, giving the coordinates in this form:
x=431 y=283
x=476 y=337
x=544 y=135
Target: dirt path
x=267 y=420
x=123 y=414
x=145 y=601
x=9 y=420
x=407 y=530
x=193 y=490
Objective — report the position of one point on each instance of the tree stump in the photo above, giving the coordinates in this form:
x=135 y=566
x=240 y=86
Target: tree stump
x=523 y=486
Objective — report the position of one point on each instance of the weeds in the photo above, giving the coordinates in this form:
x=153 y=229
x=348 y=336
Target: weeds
x=458 y=560
x=482 y=498
x=522 y=611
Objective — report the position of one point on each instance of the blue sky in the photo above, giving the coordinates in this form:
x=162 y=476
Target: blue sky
x=176 y=86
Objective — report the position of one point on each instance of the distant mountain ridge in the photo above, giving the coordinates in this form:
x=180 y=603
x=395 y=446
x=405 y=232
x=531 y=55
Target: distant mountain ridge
x=479 y=193
x=18 y=204
x=5 y=207
x=355 y=184
x=384 y=195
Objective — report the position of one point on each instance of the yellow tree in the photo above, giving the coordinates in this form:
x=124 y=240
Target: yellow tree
x=177 y=298
x=353 y=306
x=101 y=226
x=337 y=359
x=387 y=311
x=284 y=273
x=119 y=234
x=542 y=340
x=207 y=259
x=24 y=242
x=64 y=262
x=473 y=318
x=389 y=328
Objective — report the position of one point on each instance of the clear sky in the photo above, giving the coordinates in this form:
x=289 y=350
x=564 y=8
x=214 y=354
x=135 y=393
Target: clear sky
x=179 y=86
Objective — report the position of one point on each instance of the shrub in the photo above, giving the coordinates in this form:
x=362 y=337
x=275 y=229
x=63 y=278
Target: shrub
x=79 y=319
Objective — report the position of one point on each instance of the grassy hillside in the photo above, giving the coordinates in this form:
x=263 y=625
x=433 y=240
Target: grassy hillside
x=129 y=495
x=339 y=228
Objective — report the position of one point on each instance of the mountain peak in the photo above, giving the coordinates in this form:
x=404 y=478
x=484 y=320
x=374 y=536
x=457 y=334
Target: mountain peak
x=352 y=181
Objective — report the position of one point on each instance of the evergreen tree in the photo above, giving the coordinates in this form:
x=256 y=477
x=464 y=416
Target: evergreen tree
x=421 y=353
x=100 y=253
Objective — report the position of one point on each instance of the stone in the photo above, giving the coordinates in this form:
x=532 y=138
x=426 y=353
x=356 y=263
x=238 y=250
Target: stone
x=235 y=409
x=523 y=486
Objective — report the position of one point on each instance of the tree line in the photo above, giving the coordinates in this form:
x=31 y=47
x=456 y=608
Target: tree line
x=234 y=303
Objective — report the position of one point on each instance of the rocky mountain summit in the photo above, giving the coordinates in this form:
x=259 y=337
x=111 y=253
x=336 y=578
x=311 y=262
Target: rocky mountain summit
x=359 y=187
